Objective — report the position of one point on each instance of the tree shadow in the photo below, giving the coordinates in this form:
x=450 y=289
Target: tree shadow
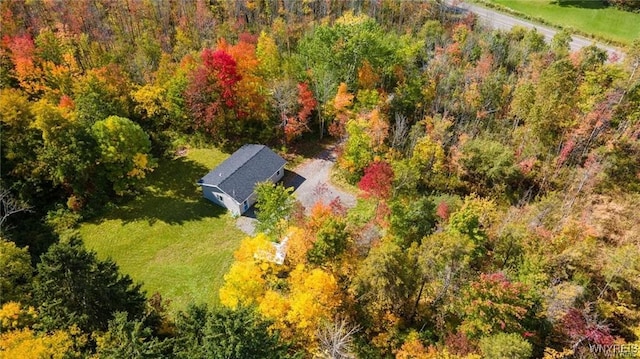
x=454 y=9
x=177 y=177
x=167 y=209
x=584 y=4
x=171 y=196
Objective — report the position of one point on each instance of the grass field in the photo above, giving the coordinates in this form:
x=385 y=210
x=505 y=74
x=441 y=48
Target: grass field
x=588 y=16
x=170 y=238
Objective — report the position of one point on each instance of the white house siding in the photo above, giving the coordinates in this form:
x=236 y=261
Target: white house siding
x=212 y=193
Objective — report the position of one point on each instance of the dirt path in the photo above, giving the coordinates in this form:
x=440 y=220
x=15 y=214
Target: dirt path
x=312 y=182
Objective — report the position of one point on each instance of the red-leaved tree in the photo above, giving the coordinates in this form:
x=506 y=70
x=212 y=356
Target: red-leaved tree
x=28 y=74
x=211 y=95
x=582 y=326
x=377 y=180
x=296 y=125
x=443 y=210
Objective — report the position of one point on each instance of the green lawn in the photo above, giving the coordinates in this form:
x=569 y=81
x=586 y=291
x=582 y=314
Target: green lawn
x=170 y=238
x=588 y=16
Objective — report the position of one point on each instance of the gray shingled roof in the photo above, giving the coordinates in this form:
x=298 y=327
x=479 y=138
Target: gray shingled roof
x=238 y=174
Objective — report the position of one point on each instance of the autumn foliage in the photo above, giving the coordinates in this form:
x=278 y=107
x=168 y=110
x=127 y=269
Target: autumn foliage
x=341 y=104
x=494 y=304
x=377 y=180
x=211 y=95
x=299 y=123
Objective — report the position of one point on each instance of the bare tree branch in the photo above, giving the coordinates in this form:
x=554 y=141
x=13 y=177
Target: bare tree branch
x=399 y=132
x=336 y=339
x=9 y=206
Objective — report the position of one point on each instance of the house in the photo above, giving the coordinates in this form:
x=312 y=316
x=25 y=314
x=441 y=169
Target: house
x=231 y=184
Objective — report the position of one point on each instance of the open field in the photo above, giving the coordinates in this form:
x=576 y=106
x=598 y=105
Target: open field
x=588 y=16
x=170 y=238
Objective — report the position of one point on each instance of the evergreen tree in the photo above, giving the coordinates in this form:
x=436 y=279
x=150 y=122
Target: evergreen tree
x=74 y=287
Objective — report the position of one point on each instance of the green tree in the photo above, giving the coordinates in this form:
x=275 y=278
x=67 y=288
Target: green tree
x=267 y=54
x=560 y=43
x=429 y=159
x=386 y=281
x=523 y=98
x=332 y=240
x=151 y=104
x=74 y=287
x=554 y=108
x=505 y=346
x=19 y=140
x=472 y=220
x=123 y=152
x=240 y=334
x=101 y=93
x=226 y=334
x=68 y=151
x=129 y=339
x=623 y=165
x=173 y=81
x=15 y=272
x=358 y=152
x=190 y=334
x=443 y=260
x=274 y=205
x=411 y=219
x=489 y=166
x=494 y=304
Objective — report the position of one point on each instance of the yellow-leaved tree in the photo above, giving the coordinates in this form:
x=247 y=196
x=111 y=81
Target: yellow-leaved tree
x=245 y=282
x=275 y=305
x=243 y=285
x=14 y=316
x=27 y=344
x=299 y=244
x=310 y=297
x=251 y=246
x=313 y=299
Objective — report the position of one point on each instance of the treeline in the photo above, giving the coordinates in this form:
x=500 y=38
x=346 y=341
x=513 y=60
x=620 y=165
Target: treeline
x=499 y=176
x=628 y=5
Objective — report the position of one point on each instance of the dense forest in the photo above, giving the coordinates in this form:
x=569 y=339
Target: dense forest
x=499 y=178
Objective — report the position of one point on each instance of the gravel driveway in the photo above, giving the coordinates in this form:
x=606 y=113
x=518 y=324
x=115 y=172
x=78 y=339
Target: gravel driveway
x=311 y=180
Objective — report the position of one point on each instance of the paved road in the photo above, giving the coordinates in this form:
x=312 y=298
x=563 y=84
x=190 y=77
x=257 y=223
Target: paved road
x=503 y=21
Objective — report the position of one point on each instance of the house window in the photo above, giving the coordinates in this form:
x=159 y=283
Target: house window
x=278 y=173
x=219 y=197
